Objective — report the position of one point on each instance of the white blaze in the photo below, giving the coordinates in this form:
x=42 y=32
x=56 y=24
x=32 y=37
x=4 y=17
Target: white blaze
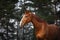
x=21 y=21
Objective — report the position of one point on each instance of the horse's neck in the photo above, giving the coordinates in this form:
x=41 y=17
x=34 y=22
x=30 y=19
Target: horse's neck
x=38 y=25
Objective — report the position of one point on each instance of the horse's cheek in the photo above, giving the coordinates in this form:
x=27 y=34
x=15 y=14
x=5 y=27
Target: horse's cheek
x=28 y=20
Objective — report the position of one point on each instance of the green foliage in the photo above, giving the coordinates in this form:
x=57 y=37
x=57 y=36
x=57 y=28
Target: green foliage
x=45 y=9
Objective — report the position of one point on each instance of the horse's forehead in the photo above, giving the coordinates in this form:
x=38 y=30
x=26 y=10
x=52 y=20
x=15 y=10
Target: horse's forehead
x=27 y=14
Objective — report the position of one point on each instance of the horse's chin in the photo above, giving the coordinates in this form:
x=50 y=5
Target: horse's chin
x=21 y=26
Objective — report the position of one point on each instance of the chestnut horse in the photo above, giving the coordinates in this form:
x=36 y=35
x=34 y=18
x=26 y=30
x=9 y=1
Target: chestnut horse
x=43 y=30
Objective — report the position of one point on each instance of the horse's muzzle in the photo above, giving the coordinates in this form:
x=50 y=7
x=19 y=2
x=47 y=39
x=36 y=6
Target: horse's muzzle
x=21 y=25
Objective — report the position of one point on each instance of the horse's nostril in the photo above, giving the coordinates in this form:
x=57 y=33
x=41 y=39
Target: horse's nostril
x=20 y=27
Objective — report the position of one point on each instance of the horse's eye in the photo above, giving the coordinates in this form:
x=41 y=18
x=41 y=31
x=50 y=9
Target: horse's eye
x=26 y=16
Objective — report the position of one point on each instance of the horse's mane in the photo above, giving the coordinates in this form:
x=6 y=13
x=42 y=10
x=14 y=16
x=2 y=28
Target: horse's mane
x=38 y=18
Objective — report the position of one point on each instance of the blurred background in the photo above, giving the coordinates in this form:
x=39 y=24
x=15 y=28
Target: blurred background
x=11 y=13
